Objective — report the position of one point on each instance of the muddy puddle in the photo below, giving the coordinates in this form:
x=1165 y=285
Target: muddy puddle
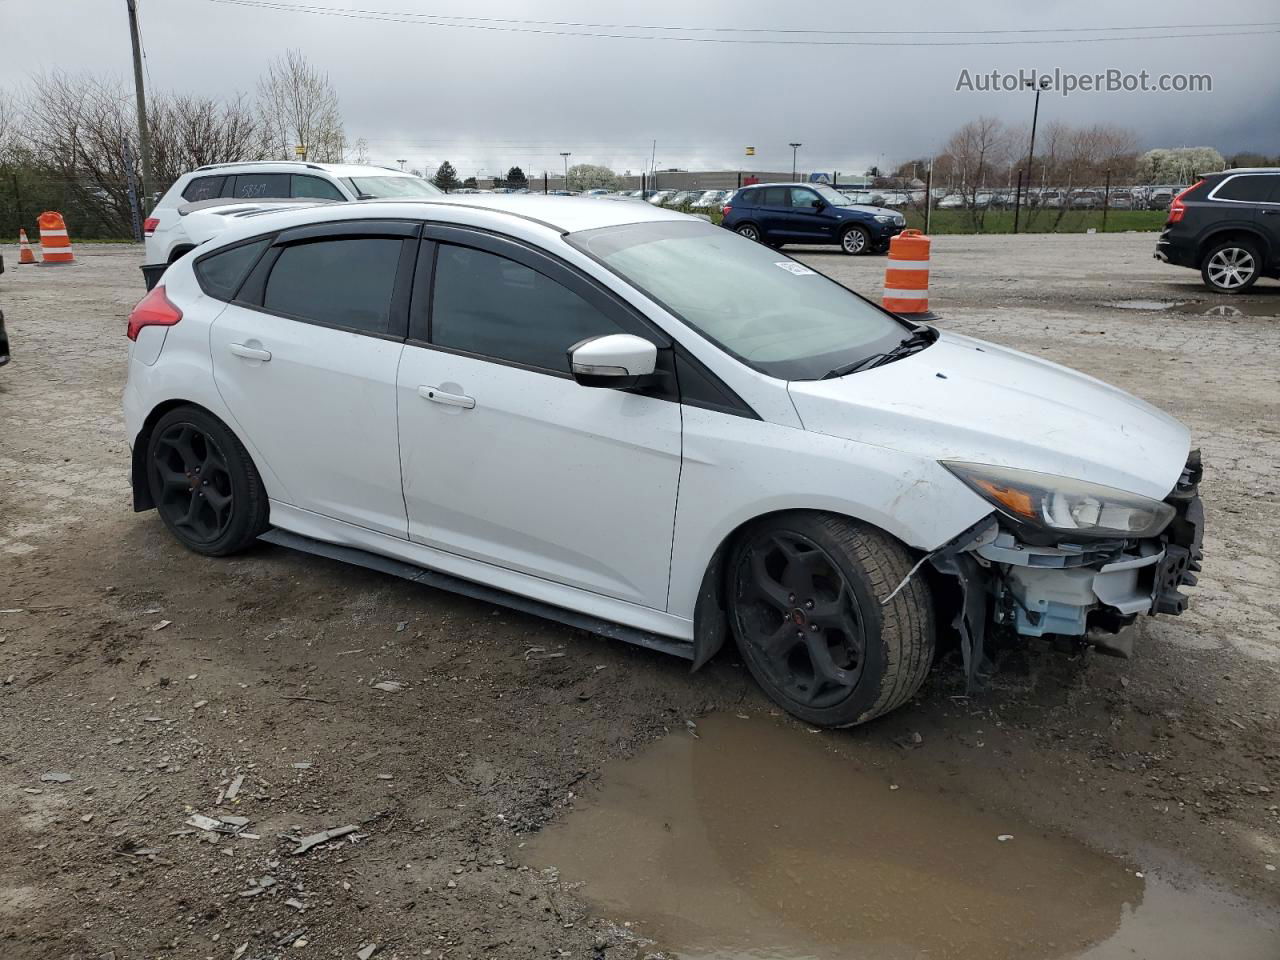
x=1241 y=308
x=754 y=840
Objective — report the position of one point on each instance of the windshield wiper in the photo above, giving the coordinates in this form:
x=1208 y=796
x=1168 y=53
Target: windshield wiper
x=921 y=338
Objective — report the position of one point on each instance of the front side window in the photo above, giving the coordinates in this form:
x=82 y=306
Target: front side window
x=1248 y=188
x=393 y=188
x=260 y=186
x=344 y=282
x=771 y=312
x=802 y=198
x=221 y=273
x=314 y=187
x=491 y=306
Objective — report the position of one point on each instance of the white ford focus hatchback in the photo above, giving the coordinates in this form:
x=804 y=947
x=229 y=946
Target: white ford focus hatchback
x=640 y=424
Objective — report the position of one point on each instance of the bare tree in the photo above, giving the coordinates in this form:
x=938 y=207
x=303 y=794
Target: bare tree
x=189 y=132
x=299 y=107
x=976 y=155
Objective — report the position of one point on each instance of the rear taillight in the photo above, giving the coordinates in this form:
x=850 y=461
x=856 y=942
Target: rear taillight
x=1178 y=208
x=149 y=225
x=726 y=209
x=153 y=310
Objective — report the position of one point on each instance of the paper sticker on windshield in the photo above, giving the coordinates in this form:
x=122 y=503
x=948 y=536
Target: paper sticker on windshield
x=799 y=269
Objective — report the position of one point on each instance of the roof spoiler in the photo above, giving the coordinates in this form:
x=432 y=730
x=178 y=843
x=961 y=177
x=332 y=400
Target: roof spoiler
x=247 y=206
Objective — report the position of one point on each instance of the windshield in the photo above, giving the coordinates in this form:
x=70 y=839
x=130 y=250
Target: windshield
x=832 y=196
x=772 y=313
x=391 y=188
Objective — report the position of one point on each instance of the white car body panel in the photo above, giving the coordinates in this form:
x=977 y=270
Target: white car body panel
x=322 y=411
x=544 y=476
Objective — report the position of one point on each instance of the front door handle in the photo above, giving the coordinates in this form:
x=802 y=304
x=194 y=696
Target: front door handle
x=1270 y=213
x=250 y=353
x=436 y=395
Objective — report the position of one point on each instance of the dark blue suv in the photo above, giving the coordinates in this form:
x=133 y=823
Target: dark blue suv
x=778 y=213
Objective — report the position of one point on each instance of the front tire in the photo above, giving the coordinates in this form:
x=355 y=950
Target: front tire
x=1231 y=267
x=855 y=241
x=804 y=592
x=204 y=484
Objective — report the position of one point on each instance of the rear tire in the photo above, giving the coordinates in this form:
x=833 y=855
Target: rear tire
x=804 y=606
x=748 y=230
x=204 y=484
x=1231 y=267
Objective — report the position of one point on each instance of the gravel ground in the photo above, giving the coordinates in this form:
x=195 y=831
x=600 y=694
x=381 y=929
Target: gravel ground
x=156 y=679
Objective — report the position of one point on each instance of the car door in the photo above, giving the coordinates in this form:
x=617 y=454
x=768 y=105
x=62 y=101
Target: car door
x=1269 y=216
x=305 y=358
x=776 y=218
x=811 y=218
x=505 y=458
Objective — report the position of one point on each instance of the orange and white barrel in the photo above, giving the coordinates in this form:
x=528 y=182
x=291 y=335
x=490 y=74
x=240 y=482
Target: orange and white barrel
x=906 y=275
x=55 y=244
x=24 y=248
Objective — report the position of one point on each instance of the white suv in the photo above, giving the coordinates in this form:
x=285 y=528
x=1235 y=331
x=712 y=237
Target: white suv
x=167 y=237
x=638 y=423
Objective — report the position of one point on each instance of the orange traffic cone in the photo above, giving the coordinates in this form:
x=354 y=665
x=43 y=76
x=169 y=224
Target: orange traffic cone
x=55 y=245
x=24 y=248
x=906 y=276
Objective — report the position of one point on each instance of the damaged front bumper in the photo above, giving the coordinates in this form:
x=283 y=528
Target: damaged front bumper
x=1088 y=592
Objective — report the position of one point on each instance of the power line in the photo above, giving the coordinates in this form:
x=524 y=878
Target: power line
x=505 y=26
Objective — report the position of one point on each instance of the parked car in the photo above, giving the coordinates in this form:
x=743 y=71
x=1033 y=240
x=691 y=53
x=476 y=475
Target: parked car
x=1227 y=226
x=166 y=237
x=660 y=198
x=684 y=198
x=1085 y=200
x=625 y=419
x=710 y=200
x=952 y=201
x=1121 y=200
x=781 y=213
x=1159 y=198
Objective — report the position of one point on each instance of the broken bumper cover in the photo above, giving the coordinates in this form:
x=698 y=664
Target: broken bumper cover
x=1096 y=588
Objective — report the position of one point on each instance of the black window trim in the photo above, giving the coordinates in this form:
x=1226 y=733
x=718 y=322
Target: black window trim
x=627 y=318
x=1275 y=177
x=253 y=287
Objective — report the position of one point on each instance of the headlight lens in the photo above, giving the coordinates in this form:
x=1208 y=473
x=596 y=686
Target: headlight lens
x=1064 y=505
x=884 y=218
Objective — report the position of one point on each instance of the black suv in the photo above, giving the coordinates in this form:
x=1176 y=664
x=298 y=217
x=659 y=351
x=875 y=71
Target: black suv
x=1227 y=226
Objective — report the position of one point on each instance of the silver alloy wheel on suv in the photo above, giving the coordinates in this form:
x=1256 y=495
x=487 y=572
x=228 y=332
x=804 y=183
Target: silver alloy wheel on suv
x=854 y=241
x=1231 y=268
x=749 y=231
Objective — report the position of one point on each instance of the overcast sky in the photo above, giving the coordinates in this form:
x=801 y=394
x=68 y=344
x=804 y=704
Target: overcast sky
x=488 y=98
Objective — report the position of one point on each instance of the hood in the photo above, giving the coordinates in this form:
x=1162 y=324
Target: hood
x=873 y=211
x=965 y=399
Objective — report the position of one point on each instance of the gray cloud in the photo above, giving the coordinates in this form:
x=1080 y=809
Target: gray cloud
x=486 y=99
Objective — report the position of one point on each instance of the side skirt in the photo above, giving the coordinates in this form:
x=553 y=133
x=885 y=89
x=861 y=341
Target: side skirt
x=477 y=591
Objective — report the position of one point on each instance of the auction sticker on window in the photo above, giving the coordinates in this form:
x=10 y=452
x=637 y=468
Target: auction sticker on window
x=799 y=269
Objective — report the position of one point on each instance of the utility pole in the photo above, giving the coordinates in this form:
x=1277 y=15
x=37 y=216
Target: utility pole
x=144 y=136
x=1031 y=150
x=794 y=147
x=566 y=154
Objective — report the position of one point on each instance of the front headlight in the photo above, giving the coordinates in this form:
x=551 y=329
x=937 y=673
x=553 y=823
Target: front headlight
x=885 y=218
x=1064 y=505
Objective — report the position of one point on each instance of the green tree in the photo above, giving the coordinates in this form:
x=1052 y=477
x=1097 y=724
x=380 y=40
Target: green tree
x=516 y=179
x=446 y=177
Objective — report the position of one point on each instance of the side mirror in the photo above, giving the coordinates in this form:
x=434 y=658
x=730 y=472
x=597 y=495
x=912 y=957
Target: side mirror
x=618 y=360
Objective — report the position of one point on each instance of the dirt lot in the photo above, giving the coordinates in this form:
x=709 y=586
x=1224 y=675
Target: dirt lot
x=156 y=679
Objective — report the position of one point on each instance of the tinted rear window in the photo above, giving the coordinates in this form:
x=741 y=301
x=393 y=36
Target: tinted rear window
x=775 y=197
x=203 y=188
x=256 y=186
x=1253 y=188
x=222 y=273
x=341 y=283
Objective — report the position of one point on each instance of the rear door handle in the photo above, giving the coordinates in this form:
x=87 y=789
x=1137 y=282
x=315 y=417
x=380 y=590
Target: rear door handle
x=436 y=395
x=1270 y=213
x=250 y=353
